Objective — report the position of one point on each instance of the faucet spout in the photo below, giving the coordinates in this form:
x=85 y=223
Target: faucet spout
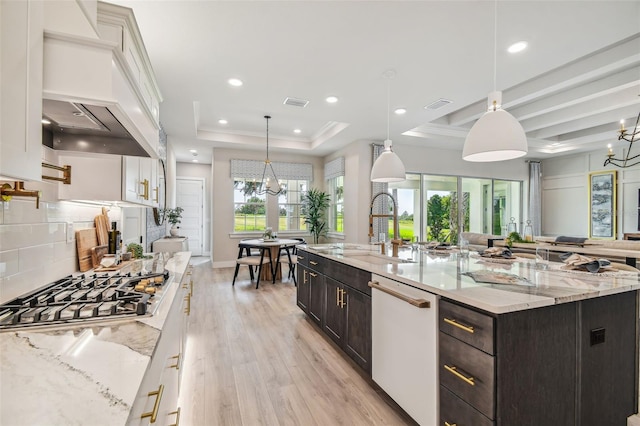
x=396 y=242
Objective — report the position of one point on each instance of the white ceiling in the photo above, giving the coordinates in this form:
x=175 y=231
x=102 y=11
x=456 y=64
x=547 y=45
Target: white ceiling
x=578 y=77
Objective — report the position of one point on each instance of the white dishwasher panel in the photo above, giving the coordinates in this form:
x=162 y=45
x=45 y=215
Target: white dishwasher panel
x=405 y=351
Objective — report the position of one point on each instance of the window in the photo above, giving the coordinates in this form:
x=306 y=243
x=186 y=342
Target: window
x=407 y=195
x=255 y=212
x=250 y=209
x=336 y=208
x=334 y=177
x=289 y=205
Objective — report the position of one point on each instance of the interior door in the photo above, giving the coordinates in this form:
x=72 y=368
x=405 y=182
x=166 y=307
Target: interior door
x=190 y=196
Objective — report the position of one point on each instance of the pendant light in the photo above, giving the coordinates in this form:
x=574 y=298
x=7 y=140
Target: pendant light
x=388 y=167
x=269 y=183
x=497 y=135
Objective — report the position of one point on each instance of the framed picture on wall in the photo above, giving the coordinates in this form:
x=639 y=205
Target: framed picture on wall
x=602 y=204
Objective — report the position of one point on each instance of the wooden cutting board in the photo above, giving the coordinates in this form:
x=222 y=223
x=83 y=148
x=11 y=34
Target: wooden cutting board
x=86 y=239
x=97 y=253
x=102 y=230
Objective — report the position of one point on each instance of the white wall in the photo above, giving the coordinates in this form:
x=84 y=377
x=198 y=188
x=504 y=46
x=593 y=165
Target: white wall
x=225 y=245
x=202 y=171
x=565 y=194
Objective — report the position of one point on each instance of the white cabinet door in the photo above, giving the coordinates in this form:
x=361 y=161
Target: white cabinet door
x=21 y=48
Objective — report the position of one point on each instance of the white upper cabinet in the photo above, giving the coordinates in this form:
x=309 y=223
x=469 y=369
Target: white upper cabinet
x=109 y=178
x=21 y=46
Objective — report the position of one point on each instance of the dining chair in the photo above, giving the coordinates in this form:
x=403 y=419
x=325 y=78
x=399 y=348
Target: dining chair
x=290 y=257
x=246 y=258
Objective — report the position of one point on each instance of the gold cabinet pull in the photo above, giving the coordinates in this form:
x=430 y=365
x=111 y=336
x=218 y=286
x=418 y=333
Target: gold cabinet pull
x=342 y=302
x=191 y=286
x=187 y=310
x=156 y=405
x=177 y=413
x=145 y=189
x=313 y=275
x=304 y=276
x=449 y=424
x=156 y=190
x=419 y=303
x=312 y=262
x=177 y=364
x=454 y=371
x=455 y=323
x=337 y=296
x=300 y=257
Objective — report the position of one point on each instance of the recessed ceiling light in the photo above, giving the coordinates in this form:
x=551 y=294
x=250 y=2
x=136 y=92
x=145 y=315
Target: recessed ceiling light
x=400 y=111
x=193 y=150
x=194 y=161
x=297 y=131
x=45 y=121
x=235 y=82
x=517 y=47
x=222 y=121
x=332 y=99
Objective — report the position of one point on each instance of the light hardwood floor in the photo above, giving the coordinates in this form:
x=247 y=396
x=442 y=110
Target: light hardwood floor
x=253 y=358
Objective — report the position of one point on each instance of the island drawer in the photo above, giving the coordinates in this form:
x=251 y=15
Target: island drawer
x=468 y=373
x=303 y=257
x=467 y=325
x=454 y=411
x=317 y=263
x=348 y=275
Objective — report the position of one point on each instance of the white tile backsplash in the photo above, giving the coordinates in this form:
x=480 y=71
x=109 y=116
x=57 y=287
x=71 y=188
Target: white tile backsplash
x=33 y=244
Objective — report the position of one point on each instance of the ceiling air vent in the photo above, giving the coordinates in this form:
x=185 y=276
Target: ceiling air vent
x=438 y=104
x=296 y=102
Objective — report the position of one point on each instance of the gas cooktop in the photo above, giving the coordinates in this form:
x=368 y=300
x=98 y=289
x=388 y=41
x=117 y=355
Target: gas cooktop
x=86 y=297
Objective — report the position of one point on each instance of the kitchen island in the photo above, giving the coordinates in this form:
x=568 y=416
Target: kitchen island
x=87 y=373
x=533 y=347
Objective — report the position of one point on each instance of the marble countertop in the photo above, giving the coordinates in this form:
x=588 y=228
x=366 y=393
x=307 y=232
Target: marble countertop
x=81 y=374
x=444 y=273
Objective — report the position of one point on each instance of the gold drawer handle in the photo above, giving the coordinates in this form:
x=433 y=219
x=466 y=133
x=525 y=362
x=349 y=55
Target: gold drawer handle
x=187 y=310
x=454 y=371
x=177 y=413
x=313 y=275
x=312 y=262
x=304 y=276
x=156 y=405
x=449 y=424
x=177 y=364
x=300 y=257
x=453 y=322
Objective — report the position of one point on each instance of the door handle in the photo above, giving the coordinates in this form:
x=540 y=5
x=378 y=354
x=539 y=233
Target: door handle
x=418 y=303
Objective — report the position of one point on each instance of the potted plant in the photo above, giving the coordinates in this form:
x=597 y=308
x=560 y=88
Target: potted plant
x=173 y=217
x=314 y=208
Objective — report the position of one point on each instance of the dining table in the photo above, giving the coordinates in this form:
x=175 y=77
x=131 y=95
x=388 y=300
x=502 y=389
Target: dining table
x=274 y=246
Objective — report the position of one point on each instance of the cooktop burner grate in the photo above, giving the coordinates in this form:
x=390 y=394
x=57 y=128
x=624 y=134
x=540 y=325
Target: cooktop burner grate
x=86 y=297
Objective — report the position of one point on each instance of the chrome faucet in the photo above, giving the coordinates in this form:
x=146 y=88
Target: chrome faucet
x=396 y=242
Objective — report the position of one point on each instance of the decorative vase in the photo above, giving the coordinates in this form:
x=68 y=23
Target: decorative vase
x=174 y=231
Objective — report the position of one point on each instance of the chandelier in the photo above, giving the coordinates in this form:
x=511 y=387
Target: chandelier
x=269 y=183
x=629 y=136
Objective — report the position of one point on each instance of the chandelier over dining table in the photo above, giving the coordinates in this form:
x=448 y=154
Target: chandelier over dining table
x=269 y=183
x=629 y=135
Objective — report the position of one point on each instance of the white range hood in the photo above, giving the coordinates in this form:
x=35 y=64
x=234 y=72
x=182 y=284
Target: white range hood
x=109 y=78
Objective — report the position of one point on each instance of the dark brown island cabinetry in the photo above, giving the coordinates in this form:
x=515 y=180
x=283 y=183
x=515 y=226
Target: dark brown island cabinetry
x=338 y=299
x=568 y=364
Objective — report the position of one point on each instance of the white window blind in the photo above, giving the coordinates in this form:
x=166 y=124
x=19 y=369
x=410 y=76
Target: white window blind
x=334 y=168
x=252 y=169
